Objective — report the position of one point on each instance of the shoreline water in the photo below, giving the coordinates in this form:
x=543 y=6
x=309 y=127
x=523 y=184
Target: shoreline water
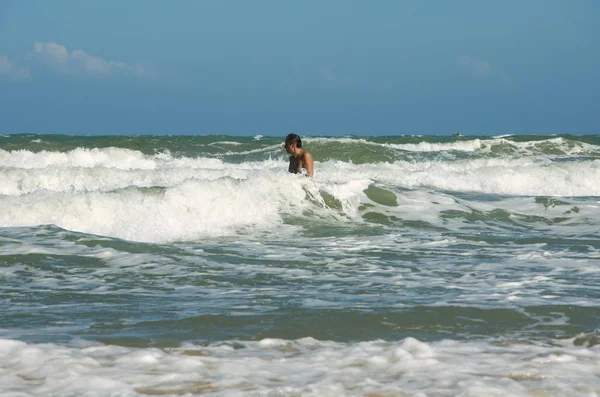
x=198 y=265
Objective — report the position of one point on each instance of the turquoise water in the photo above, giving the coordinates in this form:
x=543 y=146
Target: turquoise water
x=410 y=266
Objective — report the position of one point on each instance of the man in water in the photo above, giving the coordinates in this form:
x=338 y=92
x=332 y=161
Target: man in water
x=299 y=158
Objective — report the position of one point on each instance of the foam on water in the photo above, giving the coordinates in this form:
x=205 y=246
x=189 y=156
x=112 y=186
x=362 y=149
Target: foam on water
x=185 y=211
x=81 y=157
x=525 y=177
x=558 y=145
x=468 y=146
x=126 y=194
x=304 y=367
x=491 y=243
x=97 y=169
x=226 y=143
x=481 y=272
x=465 y=146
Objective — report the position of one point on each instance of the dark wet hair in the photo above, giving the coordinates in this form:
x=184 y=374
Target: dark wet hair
x=293 y=138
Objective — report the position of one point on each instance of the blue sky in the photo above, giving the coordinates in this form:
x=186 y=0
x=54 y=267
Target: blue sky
x=312 y=67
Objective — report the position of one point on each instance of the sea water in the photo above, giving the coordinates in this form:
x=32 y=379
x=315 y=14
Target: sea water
x=197 y=265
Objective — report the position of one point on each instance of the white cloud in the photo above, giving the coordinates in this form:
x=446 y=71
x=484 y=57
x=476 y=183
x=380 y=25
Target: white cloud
x=54 y=53
x=59 y=58
x=480 y=68
x=8 y=68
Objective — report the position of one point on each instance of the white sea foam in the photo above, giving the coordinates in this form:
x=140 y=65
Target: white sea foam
x=466 y=146
x=223 y=199
x=463 y=146
x=304 y=367
x=97 y=169
x=233 y=143
x=559 y=145
x=512 y=275
x=526 y=177
x=186 y=211
x=105 y=157
x=266 y=149
x=101 y=191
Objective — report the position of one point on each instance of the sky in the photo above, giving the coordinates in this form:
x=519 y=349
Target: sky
x=312 y=67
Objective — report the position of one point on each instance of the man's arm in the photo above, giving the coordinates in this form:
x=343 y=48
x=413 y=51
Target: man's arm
x=308 y=163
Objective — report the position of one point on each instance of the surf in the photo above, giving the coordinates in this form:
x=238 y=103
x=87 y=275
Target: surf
x=155 y=191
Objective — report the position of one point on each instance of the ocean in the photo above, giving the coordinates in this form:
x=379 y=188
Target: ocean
x=197 y=265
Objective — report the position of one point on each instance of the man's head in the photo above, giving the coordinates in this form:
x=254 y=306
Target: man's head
x=293 y=139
